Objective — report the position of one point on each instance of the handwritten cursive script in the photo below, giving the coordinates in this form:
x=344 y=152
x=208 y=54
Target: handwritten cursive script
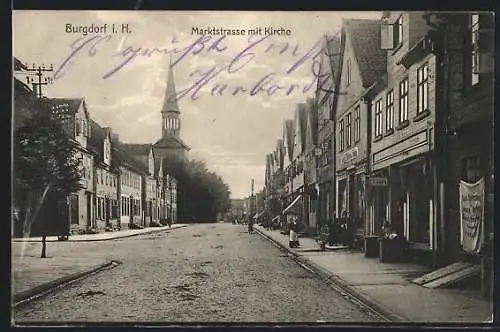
x=210 y=77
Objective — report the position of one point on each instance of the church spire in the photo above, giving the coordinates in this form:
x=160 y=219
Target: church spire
x=170 y=99
x=170 y=114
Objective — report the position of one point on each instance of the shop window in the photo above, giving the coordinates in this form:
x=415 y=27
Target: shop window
x=99 y=208
x=419 y=203
x=342 y=198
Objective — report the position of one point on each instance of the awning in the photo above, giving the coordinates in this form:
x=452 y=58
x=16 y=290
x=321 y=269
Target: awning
x=258 y=214
x=289 y=207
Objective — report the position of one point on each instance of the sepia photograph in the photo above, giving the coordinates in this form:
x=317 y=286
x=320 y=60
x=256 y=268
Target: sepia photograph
x=252 y=167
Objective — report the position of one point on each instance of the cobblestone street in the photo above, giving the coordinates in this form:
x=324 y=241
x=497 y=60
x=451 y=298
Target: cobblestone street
x=201 y=273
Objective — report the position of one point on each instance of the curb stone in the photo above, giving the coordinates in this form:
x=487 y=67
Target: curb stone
x=109 y=239
x=341 y=285
x=38 y=291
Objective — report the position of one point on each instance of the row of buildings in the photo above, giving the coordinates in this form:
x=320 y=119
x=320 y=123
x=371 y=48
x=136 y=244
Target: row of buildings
x=404 y=122
x=123 y=185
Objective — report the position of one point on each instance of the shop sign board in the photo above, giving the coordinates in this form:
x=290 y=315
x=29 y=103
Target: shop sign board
x=377 y=181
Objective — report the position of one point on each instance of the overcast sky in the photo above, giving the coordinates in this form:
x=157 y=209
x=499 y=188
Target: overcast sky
x=232 y=133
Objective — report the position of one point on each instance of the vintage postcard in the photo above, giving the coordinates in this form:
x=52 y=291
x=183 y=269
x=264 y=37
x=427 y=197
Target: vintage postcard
x=194 y=167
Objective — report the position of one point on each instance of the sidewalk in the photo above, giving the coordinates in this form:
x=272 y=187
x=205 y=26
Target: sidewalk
x=32 y=275
x=388 y=286
x=102 y=236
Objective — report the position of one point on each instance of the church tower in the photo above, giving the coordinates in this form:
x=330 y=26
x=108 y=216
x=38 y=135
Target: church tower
x=170 y=144
x=171 y=122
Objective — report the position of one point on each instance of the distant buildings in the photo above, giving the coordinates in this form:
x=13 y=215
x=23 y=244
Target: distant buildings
x=123 y=185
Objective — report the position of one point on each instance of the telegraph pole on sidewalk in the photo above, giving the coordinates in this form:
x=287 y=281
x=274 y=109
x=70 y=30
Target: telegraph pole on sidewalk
x=39 y=80
x=252 y=201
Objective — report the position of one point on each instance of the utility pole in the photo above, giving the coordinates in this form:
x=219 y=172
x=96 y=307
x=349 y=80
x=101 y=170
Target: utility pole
x=40 y=80
x=252 y=201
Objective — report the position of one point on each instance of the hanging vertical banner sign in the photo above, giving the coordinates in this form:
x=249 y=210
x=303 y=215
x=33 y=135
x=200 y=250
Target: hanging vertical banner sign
x=472 y=215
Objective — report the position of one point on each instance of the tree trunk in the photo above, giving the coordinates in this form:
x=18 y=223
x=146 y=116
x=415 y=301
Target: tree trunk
x=44 y=246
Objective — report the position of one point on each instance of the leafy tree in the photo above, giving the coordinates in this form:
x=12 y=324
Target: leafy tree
x=202 y=193
x=46 y=163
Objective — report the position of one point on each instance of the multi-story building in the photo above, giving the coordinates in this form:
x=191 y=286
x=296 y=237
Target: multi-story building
x=274 y=187
x=362 y=63
x=325 y=104
x=237 y=209
x=82 y=209
x=297 y=168
x=288 y=166
x=172 y=198
x=403 y=135
x=143 y=154
x=130 y=192
x=106 y=175
x=467 y=137
x=310 y=171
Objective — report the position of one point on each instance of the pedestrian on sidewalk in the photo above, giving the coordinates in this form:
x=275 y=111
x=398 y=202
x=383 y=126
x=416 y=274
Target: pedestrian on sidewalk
x=294 y=238
x=169 y=222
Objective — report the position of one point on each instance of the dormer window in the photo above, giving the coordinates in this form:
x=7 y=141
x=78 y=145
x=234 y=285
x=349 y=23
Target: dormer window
x=392 y=34
x=78 y=127
x=84 y=128
x=398 y=31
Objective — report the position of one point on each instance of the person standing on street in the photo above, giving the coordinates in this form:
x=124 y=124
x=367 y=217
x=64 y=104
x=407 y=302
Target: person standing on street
x=250 y=226
x=294 y=238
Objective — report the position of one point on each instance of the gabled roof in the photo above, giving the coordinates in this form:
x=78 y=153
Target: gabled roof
x=312 y=121
x=25 y=103
x=280 y=150
x=329 y=63
x=288 y=138
x=72 y=104
x=18 y=65
x=97 y=136
x=126 y=160
x=157 y=165
x=301 y=125
x=365 y=40
x=136 y=149
x=171 y=142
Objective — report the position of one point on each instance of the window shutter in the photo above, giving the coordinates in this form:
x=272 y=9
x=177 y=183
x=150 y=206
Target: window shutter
x=387 y=36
